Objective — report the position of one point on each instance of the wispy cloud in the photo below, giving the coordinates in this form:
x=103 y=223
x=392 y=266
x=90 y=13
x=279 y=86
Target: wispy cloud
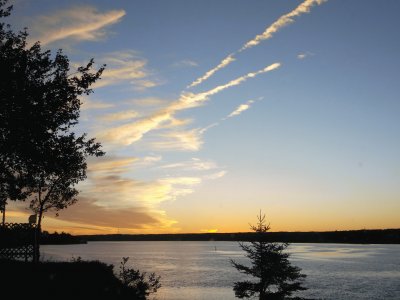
x=80 y=23
x=217 y=175
x=186 y=63
x=303 y=55
x=281 y=22
x=87 y=211
x=133 y=132
x=120 y=116
x=128 y=134
x=151 y=159
x=88 y=217
x=88 y=104
x=150 y=101
x=110 y=164
x=125 y=67
x=241 y=108
x=183 y=140
x=195 y=164
x=109 y=179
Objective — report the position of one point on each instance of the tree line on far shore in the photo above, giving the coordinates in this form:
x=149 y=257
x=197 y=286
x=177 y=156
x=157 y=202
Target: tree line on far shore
x=365 y=236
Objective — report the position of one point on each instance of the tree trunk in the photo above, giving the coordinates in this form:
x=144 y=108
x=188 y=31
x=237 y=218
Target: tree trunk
x=4 y=214
x=38 y=234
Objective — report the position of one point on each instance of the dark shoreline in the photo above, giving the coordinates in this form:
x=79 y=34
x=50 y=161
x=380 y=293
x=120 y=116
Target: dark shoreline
x=370 y=236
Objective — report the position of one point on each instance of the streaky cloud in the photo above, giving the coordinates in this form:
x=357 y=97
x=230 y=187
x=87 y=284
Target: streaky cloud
x=195 y=164
x=130 y=133
x=183 y=140
x=120 y=116
x=88 y=104
x=217 y=175
x=80 y=23
x=125 y=67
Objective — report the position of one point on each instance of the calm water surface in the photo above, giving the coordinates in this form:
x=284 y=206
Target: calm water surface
x=201 y=270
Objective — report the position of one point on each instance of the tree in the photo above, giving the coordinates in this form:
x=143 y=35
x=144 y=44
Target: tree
x=40 y=157
x=275 y=277
x=52 y=181
x=138 y=282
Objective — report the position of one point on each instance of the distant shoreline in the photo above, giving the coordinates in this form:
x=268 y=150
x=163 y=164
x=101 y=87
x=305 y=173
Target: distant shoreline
x=370 y=236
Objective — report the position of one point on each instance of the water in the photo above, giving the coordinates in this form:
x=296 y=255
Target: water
x=201 y=270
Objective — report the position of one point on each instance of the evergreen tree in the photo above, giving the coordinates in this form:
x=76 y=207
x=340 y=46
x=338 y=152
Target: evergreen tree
x=275 y=277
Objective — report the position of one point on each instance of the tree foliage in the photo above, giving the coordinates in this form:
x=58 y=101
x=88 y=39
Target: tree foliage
x=40 y=156
x=141 y=283
x=273 y=275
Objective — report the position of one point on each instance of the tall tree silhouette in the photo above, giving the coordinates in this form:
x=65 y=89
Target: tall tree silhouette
x=275 y=277
x=40 y=156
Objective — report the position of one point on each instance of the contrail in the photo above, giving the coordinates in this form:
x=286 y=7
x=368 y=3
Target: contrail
x=226 y=61
x=130 y=133
x=282 y=21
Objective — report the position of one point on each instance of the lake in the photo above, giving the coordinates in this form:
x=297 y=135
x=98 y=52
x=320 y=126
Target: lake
x=201 y=270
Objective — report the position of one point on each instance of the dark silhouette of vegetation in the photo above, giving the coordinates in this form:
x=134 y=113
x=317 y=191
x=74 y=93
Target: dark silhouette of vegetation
x=62 y=238
x=40 y=157
x=275 y=277
x=142 y=284
x=365 y=236
x=78 y=279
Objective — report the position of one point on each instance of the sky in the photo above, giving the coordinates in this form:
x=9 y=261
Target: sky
x=211 y=111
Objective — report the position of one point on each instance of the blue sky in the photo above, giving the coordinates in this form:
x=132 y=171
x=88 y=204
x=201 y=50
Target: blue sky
x=298 y=115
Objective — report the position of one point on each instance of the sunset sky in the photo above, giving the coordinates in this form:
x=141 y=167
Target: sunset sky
x=212 y=110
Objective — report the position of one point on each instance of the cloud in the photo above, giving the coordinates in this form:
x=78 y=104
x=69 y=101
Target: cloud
x=241 y=108
x=130 y=133
x=195 y=164
x=186 y=63
x=150 y=101
x=301 y=56
x=189 y=181
x=236 y=112
x=226 y=61
x=141 y=85
x=282 y=21
x=304 y=55
x=210 y=126
x=88 y=104
x=109 y=182
x=189 y=140
x=120 y=116
x=119 y=192
x=217 y=175
x=110 y=164
x=80 y=23
x=125 y=67
x=87 y=211
x=87 y=216
x=149 y=160
x=174 y=122
x=189 y=100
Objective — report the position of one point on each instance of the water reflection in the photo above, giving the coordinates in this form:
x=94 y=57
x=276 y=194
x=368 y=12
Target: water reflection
x=201 y=270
